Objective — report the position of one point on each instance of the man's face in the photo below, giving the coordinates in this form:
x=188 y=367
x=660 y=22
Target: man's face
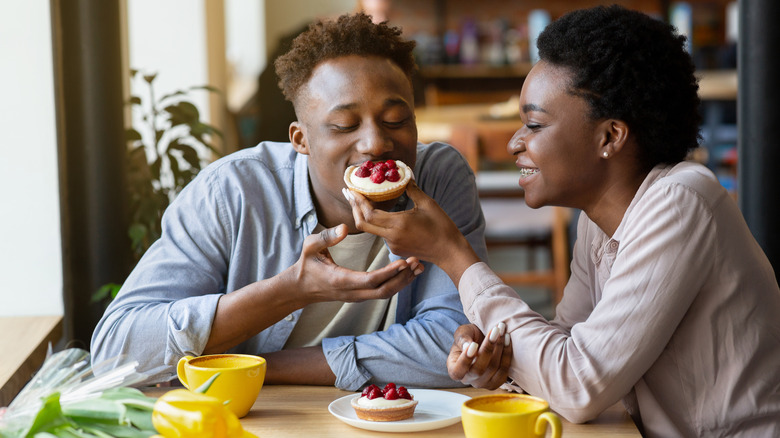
x=353 y=109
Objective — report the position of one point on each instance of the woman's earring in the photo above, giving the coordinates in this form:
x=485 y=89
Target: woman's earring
x=605 y=154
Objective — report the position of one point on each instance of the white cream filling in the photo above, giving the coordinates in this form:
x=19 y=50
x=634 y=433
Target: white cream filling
x=367 y=184
x=380 y=402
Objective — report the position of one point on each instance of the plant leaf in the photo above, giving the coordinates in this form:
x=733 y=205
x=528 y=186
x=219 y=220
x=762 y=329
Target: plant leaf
x=97 y=409
x=132 y=134
x=188 y=153
x=183 y=113
x=207 y=384
x=49 y=415
x=210 y=88
x=105 y=291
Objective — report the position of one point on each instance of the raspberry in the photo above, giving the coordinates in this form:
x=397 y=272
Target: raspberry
x=391 y=394
x=362 y=172
x=374 y=393
x=382 y=167
x=403 y=393
x=368 y=389
x=392 y=175
x=391 y=164
x=377 y=176
x=367 y=165
x=388 y=386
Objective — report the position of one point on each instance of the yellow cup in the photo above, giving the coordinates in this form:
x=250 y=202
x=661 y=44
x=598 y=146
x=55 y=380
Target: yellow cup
x=508 y=415
x=240 y=378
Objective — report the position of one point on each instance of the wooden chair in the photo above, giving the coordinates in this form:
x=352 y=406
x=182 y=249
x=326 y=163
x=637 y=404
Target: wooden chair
x=510 y=222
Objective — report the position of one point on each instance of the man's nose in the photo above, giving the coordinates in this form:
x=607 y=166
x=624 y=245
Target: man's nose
x=375 y=141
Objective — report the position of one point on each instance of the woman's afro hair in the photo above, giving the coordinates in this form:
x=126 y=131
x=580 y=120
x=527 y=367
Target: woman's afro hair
x=632 y=67
x=350 y=34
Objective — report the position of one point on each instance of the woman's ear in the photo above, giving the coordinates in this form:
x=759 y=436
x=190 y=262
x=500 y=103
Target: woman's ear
x=298 y=138
x=614 y=136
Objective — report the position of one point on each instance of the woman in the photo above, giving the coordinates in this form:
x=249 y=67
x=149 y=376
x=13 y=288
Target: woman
x=671 y=305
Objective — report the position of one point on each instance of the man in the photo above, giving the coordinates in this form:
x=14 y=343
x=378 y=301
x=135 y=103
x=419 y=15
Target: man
x=260 y=253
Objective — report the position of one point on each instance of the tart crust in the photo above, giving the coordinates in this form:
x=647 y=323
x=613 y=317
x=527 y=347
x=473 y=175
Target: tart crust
x=388 y=413
x=378 y=195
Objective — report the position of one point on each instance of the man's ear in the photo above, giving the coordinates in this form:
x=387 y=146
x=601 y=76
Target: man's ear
x=298 y=138
x=614 y=136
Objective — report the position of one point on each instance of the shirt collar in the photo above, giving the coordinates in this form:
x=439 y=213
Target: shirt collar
x=658 y=172
x=304 y=203
x=606 y=245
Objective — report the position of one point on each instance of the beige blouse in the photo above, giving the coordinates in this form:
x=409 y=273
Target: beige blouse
x=677 y=314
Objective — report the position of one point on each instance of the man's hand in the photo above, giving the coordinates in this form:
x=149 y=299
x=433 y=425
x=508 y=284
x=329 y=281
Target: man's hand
x=316 y=277
x=479 y=361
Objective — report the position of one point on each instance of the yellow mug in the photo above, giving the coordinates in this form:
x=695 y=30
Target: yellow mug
x=508 y=415
x=240 y=378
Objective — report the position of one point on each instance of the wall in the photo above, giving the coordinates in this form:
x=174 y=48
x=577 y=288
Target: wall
x=283 y=17
x=168 y=38
x=30 y=252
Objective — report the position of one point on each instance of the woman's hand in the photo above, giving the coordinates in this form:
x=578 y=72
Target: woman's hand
x=425 y=231
x=319 y=278
x=479 y=361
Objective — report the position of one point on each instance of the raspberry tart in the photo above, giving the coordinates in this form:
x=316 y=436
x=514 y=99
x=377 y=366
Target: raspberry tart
x=378 y=180
x=389 y=404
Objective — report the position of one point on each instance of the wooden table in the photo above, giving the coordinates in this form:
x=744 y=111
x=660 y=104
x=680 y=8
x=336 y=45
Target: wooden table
x=295 y=411
x=24 y=341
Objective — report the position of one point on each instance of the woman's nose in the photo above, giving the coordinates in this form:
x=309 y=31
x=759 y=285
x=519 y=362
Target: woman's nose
x=517 y=142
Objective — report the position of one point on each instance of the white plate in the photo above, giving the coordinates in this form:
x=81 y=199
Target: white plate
x=435 y=409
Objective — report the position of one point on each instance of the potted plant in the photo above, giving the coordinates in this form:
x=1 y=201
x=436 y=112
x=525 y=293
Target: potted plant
x=174 y=147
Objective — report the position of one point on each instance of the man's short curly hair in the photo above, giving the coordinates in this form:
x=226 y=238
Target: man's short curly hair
x=632 y=67
x=350 y=34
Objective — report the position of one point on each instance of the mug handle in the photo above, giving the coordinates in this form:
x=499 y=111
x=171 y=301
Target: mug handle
x=181 y=372
x=555 y=424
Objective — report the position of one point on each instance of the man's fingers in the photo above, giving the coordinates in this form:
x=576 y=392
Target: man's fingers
x=325 y=238
x=381 y=283
x=367 y=218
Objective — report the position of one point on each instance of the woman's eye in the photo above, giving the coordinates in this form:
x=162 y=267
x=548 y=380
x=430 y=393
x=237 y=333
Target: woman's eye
x=533 y=126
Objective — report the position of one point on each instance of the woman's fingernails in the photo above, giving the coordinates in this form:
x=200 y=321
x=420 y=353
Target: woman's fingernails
x=418 y=271
x=472 y=350
x=501 y=328
x=493 y=335
x=507 y=339
x=347 y=195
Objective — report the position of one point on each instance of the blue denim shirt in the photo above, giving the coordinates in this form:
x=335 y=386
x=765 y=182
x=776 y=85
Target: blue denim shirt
x=243 y=219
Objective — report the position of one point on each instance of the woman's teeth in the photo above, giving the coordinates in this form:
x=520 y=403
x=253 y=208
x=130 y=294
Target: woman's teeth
x=526 y=171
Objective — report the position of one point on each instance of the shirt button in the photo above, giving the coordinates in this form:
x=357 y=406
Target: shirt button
x=613 y=245
x=311 y=220
x=289 y=317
